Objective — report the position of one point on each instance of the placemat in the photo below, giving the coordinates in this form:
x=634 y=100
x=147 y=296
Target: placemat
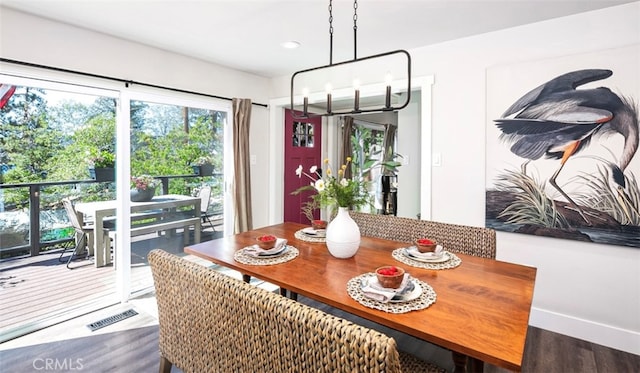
x=303 y=237
x=427 y=298
x=451 y=263
x=244 y=258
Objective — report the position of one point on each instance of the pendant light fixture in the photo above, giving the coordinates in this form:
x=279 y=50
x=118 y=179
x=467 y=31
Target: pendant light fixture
x=315 y=91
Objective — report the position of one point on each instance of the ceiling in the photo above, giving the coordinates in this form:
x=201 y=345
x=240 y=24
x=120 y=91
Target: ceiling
x=246 y=35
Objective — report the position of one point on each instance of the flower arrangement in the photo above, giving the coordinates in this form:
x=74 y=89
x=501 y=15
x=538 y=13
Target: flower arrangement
x=101 y=159
x=143 y=182
x=334 y=190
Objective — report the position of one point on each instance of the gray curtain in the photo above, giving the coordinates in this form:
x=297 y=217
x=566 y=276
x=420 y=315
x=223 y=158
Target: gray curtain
x=388 y=143
x=241 y=185
x=347 y=148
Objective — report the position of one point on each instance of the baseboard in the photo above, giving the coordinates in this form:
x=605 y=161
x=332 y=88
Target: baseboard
x=605 y=335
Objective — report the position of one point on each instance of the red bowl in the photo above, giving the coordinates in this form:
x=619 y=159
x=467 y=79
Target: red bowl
x=319 y=224
x=266 y=241
x=390 y=276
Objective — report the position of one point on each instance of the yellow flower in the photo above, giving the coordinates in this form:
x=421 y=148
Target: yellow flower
x=340 y=172
x=348 y=159
x=344 y=167
x=328 y=172
x=326 y=160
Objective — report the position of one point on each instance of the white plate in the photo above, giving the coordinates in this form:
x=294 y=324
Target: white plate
x=414 y=293
x=438 y=259
x=268 y=255
x=309 y=231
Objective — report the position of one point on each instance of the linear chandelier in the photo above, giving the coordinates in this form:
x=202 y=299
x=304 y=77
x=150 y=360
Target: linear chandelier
x=318 y=89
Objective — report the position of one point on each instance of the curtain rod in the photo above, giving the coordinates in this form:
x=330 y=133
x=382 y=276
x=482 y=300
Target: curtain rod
x=126 y=82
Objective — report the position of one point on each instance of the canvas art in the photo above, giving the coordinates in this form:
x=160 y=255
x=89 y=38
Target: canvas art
x=562 y=147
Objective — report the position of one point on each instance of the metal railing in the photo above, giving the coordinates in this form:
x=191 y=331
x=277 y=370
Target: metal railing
x=35 y=245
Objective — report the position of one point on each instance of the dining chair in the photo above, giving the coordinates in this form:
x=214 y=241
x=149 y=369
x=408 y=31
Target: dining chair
x=476 y=241
x=242 y=328
x=84 y=233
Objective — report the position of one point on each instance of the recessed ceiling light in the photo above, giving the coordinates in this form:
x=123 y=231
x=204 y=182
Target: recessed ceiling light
x=290 y=44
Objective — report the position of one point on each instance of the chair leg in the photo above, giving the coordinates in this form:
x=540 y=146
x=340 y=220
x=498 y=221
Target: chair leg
x=78 y=248
x=73 y=248
x=165 y=365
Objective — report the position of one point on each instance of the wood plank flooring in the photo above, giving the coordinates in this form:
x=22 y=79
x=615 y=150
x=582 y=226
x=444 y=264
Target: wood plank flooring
x=42 y=288
x=131 y=345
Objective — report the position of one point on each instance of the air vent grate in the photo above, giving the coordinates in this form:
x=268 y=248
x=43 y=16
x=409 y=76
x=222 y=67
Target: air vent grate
x=111 y=320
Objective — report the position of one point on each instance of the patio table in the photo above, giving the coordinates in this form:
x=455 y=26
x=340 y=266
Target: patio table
x=168 y=204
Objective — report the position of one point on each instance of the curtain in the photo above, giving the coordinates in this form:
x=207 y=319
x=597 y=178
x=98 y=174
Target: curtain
x=388 y=143
x=241 y=185
x=347 y=148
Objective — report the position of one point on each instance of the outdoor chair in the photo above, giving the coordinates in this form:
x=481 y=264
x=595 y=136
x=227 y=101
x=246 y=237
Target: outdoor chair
x=205 y=201
x=84 y=234
x=211 y=322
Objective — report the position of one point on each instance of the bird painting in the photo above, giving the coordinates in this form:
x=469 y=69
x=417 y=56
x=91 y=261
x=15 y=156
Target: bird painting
x=558 y=120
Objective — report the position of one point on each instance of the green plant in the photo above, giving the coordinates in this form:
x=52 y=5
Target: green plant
x=203 y=160
x=389 y=163
x=334 y=190
x=101 y=159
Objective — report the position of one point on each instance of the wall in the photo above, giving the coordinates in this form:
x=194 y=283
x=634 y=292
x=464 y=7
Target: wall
x=589 y=291
x=36 y=40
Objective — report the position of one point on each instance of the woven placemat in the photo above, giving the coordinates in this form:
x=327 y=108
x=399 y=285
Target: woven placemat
x=244 y=258
x=304 y=237
x=427 y=298
x=453 y=262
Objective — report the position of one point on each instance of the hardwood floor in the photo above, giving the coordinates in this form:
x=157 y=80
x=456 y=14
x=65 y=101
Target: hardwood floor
x=131 y=345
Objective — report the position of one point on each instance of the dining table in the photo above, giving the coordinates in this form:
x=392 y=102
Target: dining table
x=163 y=206
x=479 y=308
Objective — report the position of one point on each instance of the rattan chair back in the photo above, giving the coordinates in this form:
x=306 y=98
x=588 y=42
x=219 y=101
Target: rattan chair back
x=476 y=241
x=210 y=322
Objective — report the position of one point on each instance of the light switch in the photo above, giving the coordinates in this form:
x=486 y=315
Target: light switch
x=436 y=161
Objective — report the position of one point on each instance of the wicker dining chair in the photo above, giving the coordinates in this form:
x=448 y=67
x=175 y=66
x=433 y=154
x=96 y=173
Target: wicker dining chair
x=210 y=322
x=476 y=241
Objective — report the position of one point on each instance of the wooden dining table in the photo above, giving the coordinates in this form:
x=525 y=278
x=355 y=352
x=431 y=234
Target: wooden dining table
x=481 y=311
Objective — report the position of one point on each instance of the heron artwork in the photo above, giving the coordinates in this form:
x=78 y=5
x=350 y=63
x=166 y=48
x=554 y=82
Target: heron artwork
x=557 y=120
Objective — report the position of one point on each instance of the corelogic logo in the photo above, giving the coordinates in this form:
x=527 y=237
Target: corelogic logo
x=50 y=364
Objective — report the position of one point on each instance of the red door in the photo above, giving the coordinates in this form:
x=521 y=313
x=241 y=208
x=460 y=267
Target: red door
x=302 y=139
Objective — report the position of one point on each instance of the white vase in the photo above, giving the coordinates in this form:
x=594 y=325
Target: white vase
x=343 y=235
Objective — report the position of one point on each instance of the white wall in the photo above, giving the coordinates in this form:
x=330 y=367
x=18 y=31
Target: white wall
x=590 y=291
x=36 y=40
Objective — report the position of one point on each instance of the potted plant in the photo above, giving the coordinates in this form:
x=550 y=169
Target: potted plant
x=101 y=165
x=389 y=170
x=203 y=166
x=143 y=188
x=335 y=190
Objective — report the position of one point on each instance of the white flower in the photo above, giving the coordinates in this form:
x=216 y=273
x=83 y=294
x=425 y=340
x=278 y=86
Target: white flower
x=313 y=169
x=299 y=171
x=319 y=185
x=344 y=182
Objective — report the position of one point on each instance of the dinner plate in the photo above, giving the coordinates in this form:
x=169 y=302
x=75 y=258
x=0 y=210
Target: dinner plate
x=270 y=254
x=412 y=291
x=309 y=231
x=438 y=259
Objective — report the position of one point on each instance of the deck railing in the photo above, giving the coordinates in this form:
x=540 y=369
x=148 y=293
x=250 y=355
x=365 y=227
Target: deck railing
x=35 y=245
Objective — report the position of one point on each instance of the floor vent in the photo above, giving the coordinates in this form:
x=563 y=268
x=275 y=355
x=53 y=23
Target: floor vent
x=111 y=320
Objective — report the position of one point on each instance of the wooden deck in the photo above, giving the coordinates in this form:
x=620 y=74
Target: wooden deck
x=35 y=291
